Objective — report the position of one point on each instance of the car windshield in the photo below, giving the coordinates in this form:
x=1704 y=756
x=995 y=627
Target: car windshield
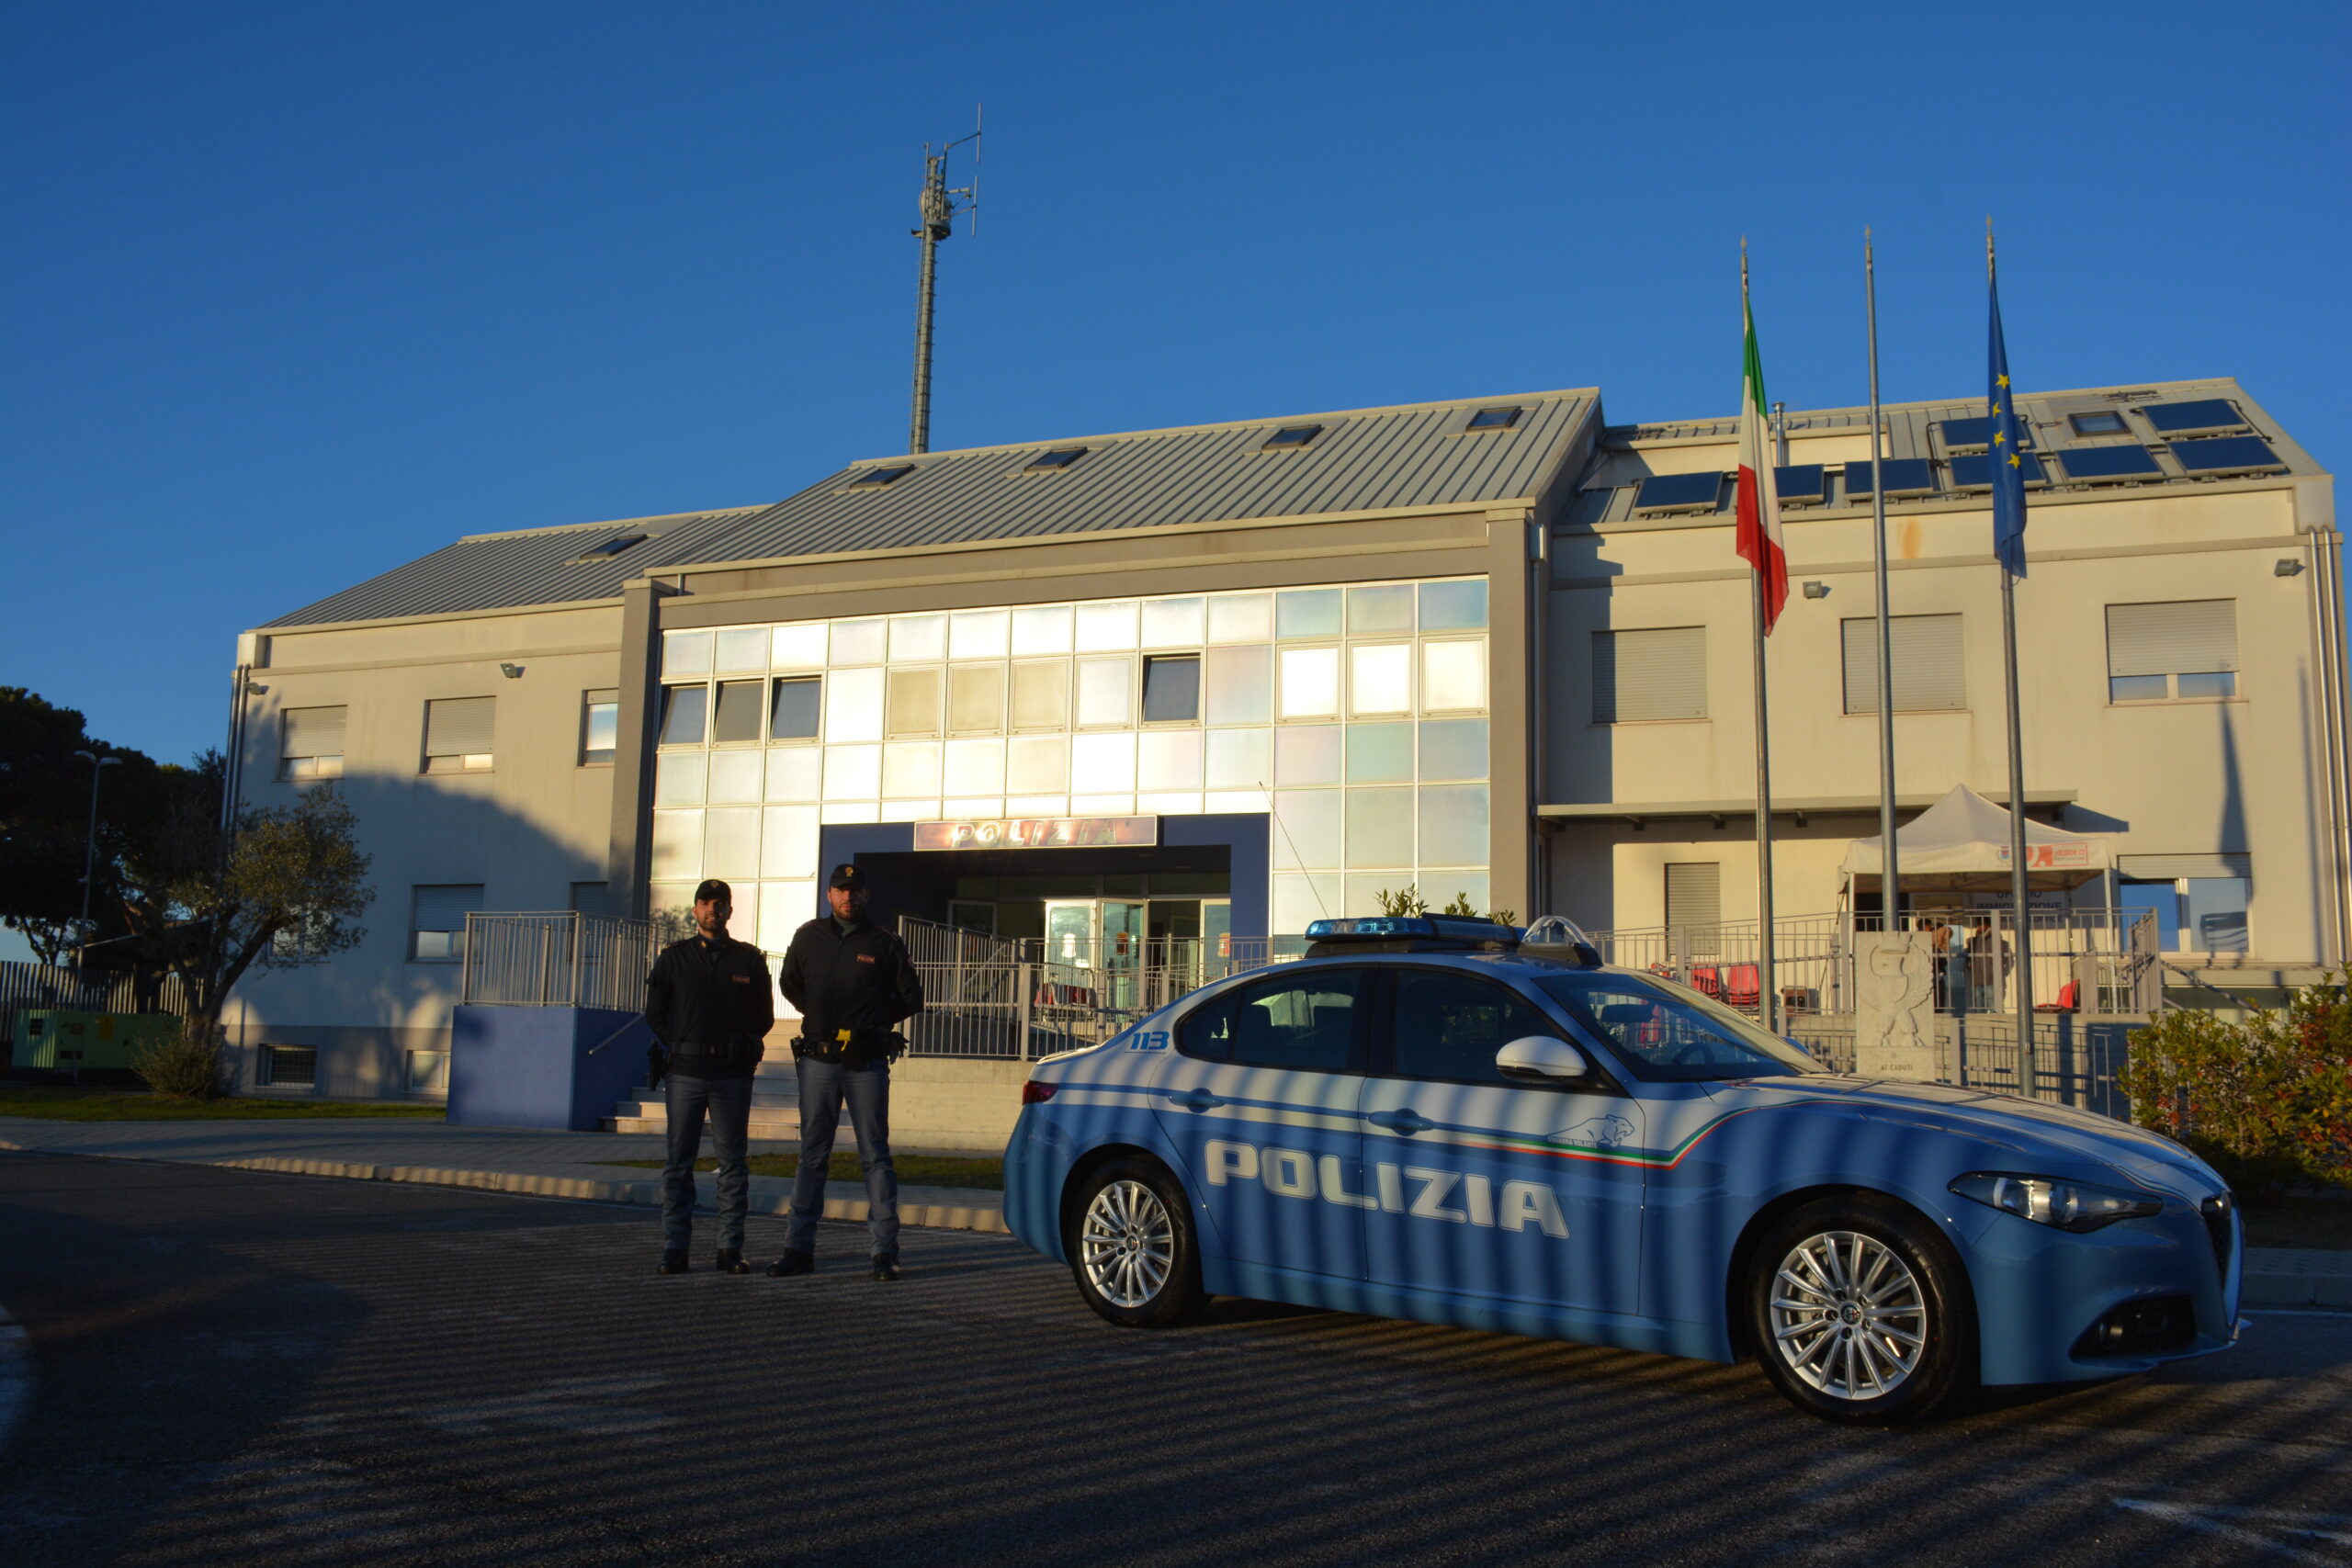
x=1667 y=1034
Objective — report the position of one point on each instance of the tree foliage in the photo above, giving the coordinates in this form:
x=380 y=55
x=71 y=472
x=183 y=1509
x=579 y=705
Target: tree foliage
x=2267 y=1101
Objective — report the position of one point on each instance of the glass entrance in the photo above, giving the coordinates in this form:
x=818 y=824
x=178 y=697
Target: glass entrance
x=1094 y=950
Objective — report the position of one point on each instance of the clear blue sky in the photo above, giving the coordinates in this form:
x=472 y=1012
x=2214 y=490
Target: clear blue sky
x=294 y=293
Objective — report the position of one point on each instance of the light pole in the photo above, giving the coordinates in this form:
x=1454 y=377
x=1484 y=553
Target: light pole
x=98 y=764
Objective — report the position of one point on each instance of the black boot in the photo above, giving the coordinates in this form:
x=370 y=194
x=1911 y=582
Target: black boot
x=730 y=1261
x=674 y=1261
x=885 y=1266
x=793 y=1263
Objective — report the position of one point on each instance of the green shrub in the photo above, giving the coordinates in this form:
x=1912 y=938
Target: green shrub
x=191 y=1064
x=2267 y=1103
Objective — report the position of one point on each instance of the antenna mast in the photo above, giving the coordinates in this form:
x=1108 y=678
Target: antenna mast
x=938 y=210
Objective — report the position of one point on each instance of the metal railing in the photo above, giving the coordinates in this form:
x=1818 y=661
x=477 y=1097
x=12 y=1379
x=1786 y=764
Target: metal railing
x=2076 y=1059
x=558 y=959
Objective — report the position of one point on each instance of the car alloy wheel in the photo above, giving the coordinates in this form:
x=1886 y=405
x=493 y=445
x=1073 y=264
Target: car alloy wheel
x=1847 y=1315
x=1128 y=1244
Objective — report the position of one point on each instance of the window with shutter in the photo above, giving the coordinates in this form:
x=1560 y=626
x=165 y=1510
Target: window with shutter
x=2185 y=649
x=1929 y=673
x=311 y=747
x=1649 y=674
x=439 y=923
x=457 y=734
x=1695 y=908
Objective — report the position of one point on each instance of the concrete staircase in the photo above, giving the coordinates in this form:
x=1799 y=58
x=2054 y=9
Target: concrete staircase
x=776 y=1108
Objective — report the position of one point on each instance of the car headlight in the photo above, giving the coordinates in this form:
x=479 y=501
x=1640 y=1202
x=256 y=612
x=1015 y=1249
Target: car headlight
x=2053 y=1201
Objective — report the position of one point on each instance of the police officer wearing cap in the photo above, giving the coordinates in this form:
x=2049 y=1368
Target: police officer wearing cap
x=853 y=982
x=709 y=1007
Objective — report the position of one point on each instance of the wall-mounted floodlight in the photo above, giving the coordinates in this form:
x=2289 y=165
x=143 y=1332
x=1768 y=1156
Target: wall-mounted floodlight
x=1817 y=591
x=511 y=672
x=2287 y=566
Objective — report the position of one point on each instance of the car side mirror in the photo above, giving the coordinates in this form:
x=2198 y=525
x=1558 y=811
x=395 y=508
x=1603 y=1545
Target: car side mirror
x=1541 y=1058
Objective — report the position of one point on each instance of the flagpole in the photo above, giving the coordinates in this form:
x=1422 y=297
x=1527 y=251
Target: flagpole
x=2022 y=985
x=1768 y=994
x=1889 y=884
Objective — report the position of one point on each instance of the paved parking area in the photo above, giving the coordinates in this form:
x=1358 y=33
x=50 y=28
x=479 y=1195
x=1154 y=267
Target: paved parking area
x=238 y=1368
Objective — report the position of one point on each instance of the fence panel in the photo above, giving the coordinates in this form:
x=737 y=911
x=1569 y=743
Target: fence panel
x=41 y=986
x=557 y=959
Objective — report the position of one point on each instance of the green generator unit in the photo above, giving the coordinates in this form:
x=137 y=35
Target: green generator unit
x=54 y=1041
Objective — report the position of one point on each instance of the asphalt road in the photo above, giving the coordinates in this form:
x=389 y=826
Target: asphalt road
x=236 y=1368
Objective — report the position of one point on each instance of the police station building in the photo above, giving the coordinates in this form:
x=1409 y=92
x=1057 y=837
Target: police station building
x=1210 y=683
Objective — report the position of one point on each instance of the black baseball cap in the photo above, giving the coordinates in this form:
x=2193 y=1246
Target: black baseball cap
x=713 y=888
x=848 y=876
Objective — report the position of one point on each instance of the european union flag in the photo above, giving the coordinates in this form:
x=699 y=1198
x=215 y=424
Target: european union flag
x=2008 y=450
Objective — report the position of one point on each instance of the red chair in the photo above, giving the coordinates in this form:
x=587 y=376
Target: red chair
x=1742 y=983
x=2069 y=998
x=1705 y=980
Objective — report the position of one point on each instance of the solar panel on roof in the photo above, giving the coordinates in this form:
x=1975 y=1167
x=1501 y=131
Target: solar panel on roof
x=2101 y=463
x=2229 y=455
x=1974 y=471
x=1904 y=476
x=2204 y=416
x=1802 y=484
x=1973 y=434
x=1679 y=492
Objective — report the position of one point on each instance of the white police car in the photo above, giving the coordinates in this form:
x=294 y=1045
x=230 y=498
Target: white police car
x=1431 y=1117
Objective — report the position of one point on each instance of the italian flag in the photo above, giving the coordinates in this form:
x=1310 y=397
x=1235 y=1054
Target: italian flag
x=1759 y=495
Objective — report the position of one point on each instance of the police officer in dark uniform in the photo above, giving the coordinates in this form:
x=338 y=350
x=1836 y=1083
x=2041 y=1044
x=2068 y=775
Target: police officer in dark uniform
x=853 y=982
x=709 y=1004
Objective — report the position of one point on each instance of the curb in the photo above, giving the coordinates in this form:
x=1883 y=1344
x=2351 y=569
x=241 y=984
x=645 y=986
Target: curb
x=2297 y=1276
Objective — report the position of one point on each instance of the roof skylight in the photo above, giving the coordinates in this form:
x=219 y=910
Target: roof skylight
x=1060 y=457
x=875 y=478
x=1291 y=437
x=1495 y=418
x=2103 y=422
x=607 y=549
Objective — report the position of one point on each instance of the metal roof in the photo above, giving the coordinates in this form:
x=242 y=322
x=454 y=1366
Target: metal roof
x=1409 y=458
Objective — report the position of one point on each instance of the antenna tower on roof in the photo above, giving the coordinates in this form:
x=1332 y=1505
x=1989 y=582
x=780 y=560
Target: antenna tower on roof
x=940 y=206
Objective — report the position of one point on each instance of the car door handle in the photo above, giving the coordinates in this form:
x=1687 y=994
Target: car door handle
x=1407 y=1121
x=1196 y=1099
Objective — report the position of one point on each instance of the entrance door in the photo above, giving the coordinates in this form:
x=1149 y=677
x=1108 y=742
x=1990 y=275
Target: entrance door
x=1122 y=954
x=1069 y=977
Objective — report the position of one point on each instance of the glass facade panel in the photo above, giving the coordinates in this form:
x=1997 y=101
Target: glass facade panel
x=918 y=640
x=1308 y=755
x=1169 y=759
x=1455 y=606
x=1240 y=685
x=677 y=846
x=1101 y=762
x=1104 y=691
x=1241 y=618
x=1107 y=628
x=735 y=777
x=1310 y=686
x=738 y=720
x=855 y=711
x=1037 y=764
x=853 y=773
x=910 y=770
x=1380 y=828
x=914 y=702
x=975 y=767
x=741 y=648
x=1364 y=888
x=678 y=777
x=979 y=634
x=1456 y=749
x=1379 y=678
x=860 y=642
x=1453 y=825
x=684 y=654
x=2213 y=913
x=788 y=842
x=976 y=698
x=1102 y=804
x=785 y=908
x=1308 y=611
x=794 y=712
x=730 y=842
x=1298 y=899
x=1454 y=676
x=1376 y=611
x=1241 y=758
x=685 y=713
x=795 y=774
x=1041 y=628
x=1441 y=887
x=1380 y=753
x=797 y=647
x=1171 y=689
x=1171 y=622
x=1306 y=829
x=1041 y=695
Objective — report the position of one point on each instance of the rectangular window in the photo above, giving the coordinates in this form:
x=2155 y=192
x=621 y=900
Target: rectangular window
x=428 y=1072
x=795 y=709
x=290 y=1067
x=1929 y=674
x=737 y=722
x=1695 y=908
x=600 y=727
x=457 y=734
x=975 y=699
x=312 y=744
x=1454 y=676
x=437 y=925
x=2186 y=649
x=1379 y=678
x=1652 y=673
x=685 y=712
x=1310 y=682
x=913 y=703
x=1171 y=690
x=1041 y=695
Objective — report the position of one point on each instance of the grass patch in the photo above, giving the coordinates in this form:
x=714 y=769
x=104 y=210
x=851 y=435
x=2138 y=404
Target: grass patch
x=914 y=1170
x=67 y=1102
x=2300 y=1222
